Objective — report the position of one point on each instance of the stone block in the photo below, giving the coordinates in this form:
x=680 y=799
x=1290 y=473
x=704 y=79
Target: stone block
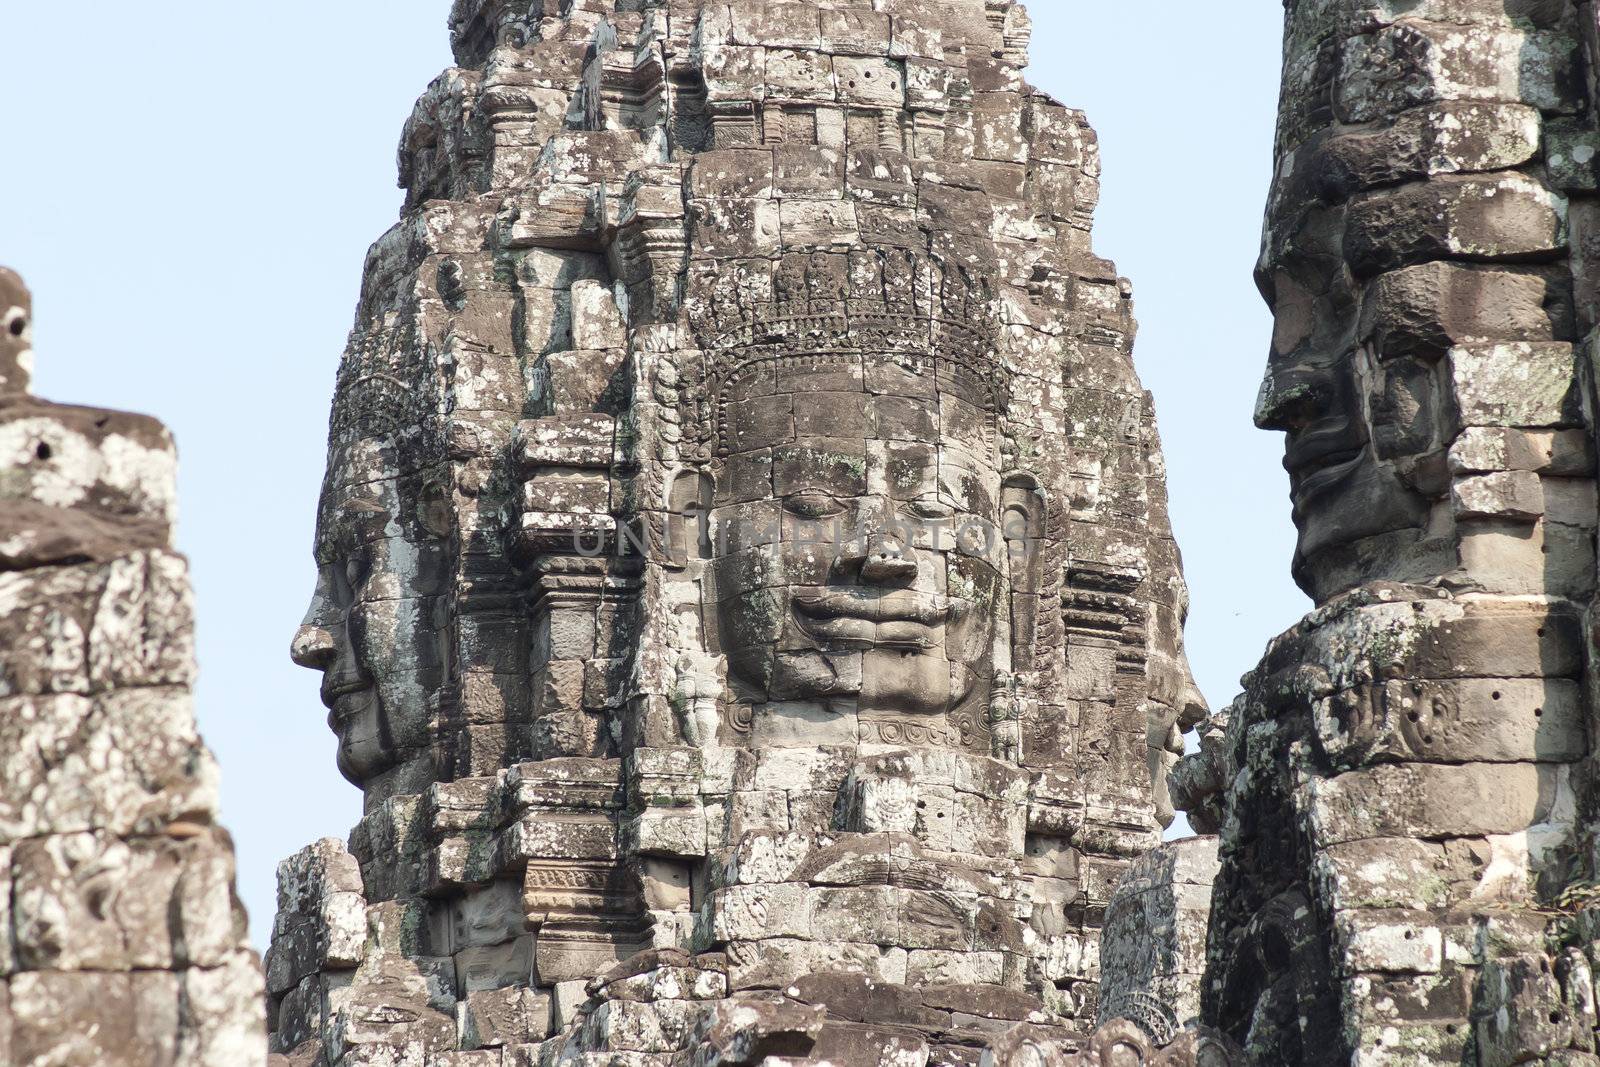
x=596 y=321
x=1524 y=1016
x=667 y=885
x=1526 y=385
x=997 y=127
x=493 y=915
x=1448 y=137
x=389 y=1009
x=222 y=1016
x=490 y=967
x=1494 y=217
x=568 y=493
x=1482 y=449
x=755 y=912
x=1571 y=147
x=767 y=856
x=869 y=82
x=1431 y=801
x=855 y=1043
x=92 y=1019
x=864 y=914
x=1427 y=309
x=571 y=382
x=581 y=440
x=500 y=1017
x=818 y=223
x=847 y=32
x=120 y=762
x=1388 y=942
x=1394 y=874
x=777 y=963
x=90 y=629
x=567 y=1000
x=1513 y=495
x=777 y=24
x=1509 y=558
x=939 y=967
x=1415 y=62
x=656 y=1029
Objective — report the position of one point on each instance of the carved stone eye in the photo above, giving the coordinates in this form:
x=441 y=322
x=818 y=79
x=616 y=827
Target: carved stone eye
x=813 y=505
x=356 y=570
x=931 y=509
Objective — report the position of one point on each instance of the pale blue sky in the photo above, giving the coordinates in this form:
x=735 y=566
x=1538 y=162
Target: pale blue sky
x=190 y=189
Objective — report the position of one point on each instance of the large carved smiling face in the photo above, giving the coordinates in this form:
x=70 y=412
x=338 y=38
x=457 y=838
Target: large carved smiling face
x=375 y=628
x=1363 y=413
x=858 y=554
x=1364 y=454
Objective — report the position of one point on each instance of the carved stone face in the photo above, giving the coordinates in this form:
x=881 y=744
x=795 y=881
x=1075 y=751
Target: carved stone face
x=375 y=626
x=1363 y=442
x=857 y=541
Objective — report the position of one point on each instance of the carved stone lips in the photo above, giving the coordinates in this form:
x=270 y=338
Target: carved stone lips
x=872 y=605
x=336 y=686
x=869 y=617
x=1319 y=458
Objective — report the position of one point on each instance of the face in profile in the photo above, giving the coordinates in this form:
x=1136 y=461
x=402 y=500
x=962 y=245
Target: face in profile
x=1362 y=447
x=375 y=627
x=1363 y=450
x=858 y=552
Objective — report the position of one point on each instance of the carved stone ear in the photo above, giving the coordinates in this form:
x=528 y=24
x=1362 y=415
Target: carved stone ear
x=1022 y=526
x=688 y=526
x=433 y=508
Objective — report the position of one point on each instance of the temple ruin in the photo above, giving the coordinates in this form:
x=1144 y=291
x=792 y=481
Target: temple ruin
x=746 y=601
x=746 y=597
x=1405 y=792
x=121 y=938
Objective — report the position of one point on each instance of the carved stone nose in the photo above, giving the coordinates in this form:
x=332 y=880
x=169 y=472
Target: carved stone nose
x=313 y=648
x=1293 y=397
x=886 y=563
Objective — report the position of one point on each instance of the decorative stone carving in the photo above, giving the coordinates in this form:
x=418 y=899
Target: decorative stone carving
x=1153 y=947
x=710 y=551
x=1402 y=791
x=122 y=942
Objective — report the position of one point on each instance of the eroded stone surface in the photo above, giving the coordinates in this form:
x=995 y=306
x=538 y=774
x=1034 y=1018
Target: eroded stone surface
x=1404 y=791
x=746 y=596
x=122 y=941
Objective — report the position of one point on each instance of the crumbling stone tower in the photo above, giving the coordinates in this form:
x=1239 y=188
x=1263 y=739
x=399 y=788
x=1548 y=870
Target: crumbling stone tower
x=1405 y=792
x=746 y=598
x=122 y=943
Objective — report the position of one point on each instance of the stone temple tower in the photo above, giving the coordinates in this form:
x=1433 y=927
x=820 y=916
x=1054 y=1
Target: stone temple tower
x=745 y=594
x=1406 y=791
x=122 y=942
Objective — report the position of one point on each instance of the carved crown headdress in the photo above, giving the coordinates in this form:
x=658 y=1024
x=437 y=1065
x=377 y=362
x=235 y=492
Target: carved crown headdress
x=820 y=306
